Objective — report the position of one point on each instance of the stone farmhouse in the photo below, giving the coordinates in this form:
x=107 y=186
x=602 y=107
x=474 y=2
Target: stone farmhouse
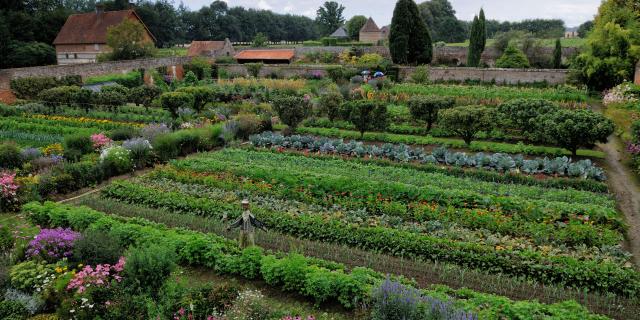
x=84 y=36
x=371 y=33
x=213 y=49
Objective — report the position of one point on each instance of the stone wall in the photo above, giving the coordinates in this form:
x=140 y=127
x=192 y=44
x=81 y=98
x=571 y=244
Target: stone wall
x=458 y=55
x=301 y=51
x=500 y=76
x=88 y=69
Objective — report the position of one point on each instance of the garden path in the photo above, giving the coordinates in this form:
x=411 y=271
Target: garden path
x=627 y=193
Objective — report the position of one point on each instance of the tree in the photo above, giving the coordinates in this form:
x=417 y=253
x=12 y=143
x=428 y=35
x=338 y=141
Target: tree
x=467 y=121
x=523 y=116
x=366 y=115
x=613 y=46
x=573 y=129
x=260 y=40
x=292 y=110
x=409 y=41
x=557 y=55
x=172 y=101
x=201 y=95
x=477 y=40
x=31 y=54
x=426 y=108
x=329 y=17
x=483 y=30
x=144 y=95
x=330 y=102
x=513 y=58
x=128 y=42
x=164 y=22
x=354 y=25
x=585 y=28
x=441 y=20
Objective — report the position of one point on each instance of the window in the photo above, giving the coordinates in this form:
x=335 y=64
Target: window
x=67 y=55
x=75 y=56
x=97 y=47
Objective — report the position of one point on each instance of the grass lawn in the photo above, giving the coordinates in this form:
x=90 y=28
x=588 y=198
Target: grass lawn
x=171 y=52
x=571 y=42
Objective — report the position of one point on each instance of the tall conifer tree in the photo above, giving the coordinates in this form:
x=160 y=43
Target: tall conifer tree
x=557 y=55
x=474 y=53
x=409 y=41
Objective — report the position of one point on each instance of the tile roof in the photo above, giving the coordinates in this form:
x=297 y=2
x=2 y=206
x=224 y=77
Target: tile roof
x=370 y=26
x=90 y=28
x=198 y=48
x=278 y=54
x=340 y=33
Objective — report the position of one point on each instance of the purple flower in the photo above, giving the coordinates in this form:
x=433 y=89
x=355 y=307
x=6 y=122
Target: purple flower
x=53 y=244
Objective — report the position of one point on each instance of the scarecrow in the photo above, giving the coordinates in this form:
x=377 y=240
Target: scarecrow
x=247 y=223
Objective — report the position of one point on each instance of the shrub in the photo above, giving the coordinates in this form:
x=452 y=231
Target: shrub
x=7 y=241
x=53 y=244
x=250 y=305
x=426 y=108
x=58 y=96
x=83 y=99
x=139 y=152
x=209 y=299
x=247 y=125
x=77 y=145
x=13 y=310
x=330 y=102
x=172 y=101
x=190 y=79
x=366 y=115
x=201 y=95
x=372 y=61
x=336 y=73
x=574 y=129
x=329 y=42
x=10 y=155
x=420 y=75
x=29 y=88
x=151 y=131
x=513 y=58
x=144 y=95
x=28 y=54
x=97 y=247
x=467 y=121
x=116 y=160
x=147 y=268
x=32 y=303
x=254 y=69
x=124 y=133
x=111 y=99
x=292 y=110
x=100 y=140
x=524 y=115
x=200 y=66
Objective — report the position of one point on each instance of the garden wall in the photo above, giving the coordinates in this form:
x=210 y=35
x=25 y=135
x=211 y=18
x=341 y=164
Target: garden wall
x=458 y=55
x=502 y=76
x=88 y=69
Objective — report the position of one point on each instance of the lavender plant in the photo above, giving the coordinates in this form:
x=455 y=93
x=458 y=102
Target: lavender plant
x=53 y=244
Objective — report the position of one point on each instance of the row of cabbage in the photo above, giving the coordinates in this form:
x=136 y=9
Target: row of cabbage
x=560 y=166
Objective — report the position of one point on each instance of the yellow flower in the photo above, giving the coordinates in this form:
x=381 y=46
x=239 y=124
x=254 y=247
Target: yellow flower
x=58 y=270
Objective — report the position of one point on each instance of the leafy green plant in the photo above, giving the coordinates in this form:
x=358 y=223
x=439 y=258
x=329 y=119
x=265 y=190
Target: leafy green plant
x=467 y=121
x=426 y=108
x=292 y=110
x=172 y=101
x=147 y=268
x=366 y=115
x=575 y=129
x=513 y=58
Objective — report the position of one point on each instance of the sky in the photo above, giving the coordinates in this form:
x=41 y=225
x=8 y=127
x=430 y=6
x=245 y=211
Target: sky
x=573 y=12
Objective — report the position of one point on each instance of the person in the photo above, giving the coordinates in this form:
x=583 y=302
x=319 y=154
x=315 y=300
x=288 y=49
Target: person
x=247 y=223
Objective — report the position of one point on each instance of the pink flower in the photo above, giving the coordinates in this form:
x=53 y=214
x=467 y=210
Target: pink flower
x=100 y=140
x=8 y=187
x=101 y=276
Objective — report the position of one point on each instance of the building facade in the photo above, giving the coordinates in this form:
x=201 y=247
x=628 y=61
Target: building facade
x=84 y=36
x=213 y=49
x=370 y=33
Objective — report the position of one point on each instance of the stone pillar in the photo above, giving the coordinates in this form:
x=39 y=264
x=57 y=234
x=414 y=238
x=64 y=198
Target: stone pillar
x=637 y=78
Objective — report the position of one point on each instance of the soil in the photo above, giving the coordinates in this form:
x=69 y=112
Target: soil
x=627 y=193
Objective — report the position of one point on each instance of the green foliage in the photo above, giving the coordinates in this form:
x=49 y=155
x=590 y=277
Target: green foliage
x=83 y=99
x=366 y=115
x=13 y=310
x=172 y=101
x=354 y=25
x=291 y=110
x=259 y=40
x=147 y=268
x=441 y=20
x=31 y=54
x=467 y=121
x=513 y=58
x=29 y=275
x=477 y=42
x=409 y=41
x=557 y=55
x=573 y=129
x=201 y=96
x=112 y=97
x=426 y=108
x=330 y=102
x=97 y=247
x=77 y=145
x=190 y=79
x=613 y=47
x=128 y=41
x=420 y=75
x=144 y=95
x=329 y=42
x=7 y=241
x=58 y=96
x=585 y=28
x=29 y=88
x=10 y=157
x=329 y=17
x=524 y=115
x=336 y=73
x=254 y=69
x=200 y=66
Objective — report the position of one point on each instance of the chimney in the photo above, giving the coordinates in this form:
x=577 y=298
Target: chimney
x=100 y=8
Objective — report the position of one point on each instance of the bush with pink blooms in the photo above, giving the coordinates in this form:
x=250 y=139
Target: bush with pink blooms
x=103 y=275
x=8 y=191
x=53 y=244
x=100 y=140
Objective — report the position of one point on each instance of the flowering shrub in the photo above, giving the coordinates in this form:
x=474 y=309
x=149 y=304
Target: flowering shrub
x=622 y=93
x=29 y=154
x=100 y=140
x=139 y=151
x=53 y=244
x=102 y=275
x=153 y=130
x=116 y=160
x=8 y=191
x=53 y=149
